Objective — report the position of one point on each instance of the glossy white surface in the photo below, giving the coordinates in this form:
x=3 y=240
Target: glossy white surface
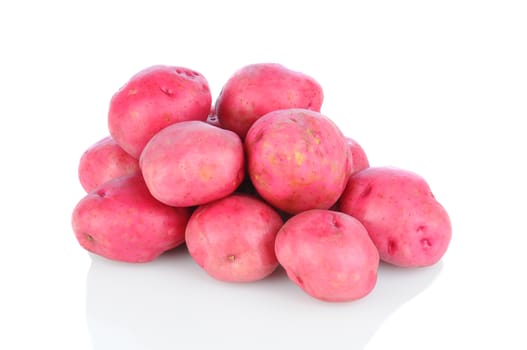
x=437 y=89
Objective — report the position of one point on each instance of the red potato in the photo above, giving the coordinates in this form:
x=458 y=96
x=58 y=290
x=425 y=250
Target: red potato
x=103 y=161
x=232 y=239
x=328 y=254
x=297 y=160
x=192 y=163
x=121 y=221
x=257 y=89
x=358 y=156
x=153 y=99
x=408 y=225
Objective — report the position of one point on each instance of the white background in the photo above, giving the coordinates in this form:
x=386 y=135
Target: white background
x=436 y=87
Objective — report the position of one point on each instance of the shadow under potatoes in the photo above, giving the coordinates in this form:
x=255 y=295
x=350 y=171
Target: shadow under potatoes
x=172 y=303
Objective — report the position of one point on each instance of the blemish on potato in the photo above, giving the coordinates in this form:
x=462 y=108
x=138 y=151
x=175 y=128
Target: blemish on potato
x=167 y=91
x=259 y=180
x=258 y=137
x=335 y=236
x=342 y=279
x=366 y=191
x=89 y=237
x=299 y=158
x=337 y=283
x=205 y=173
x=315 y=138
x=231 y=258
x=335 y=221
x=425 y=242
x=342 y=276
x=298 y=279
x=132 y=92
x=392 y=246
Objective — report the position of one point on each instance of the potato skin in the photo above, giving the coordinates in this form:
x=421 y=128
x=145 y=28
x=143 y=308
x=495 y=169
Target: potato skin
x=328 y=254
x=154 y=98
x=258 y=89
x=232 y=239
x=121 y=221
x=192 y=163
x=359 y=159
x=409 y=227
x=297 y=160
x=103 y=161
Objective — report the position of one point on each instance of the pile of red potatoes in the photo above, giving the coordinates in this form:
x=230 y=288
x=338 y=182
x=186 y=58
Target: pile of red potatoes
x=257 y=180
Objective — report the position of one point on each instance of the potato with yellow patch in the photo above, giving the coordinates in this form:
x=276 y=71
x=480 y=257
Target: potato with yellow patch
x=298 y=159
x=192 y=163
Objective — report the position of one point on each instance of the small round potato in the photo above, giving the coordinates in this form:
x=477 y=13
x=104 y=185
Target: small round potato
x=328 y=254
x=120 y=220
x=232 y=239
x=103 y=161
x=192 y=163
x=408 y=225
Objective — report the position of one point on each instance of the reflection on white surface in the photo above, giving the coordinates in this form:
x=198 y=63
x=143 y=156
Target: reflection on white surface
x=171 y=303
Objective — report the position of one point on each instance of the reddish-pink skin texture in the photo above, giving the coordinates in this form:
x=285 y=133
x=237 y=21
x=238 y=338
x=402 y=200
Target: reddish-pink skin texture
x=359 y=159
x=103 y=161
x=153 y=99
x=192 y=163
x=121 y=221
x=257 y=89
x=232 y=239
x=328 y=254
x=297 y=160
x=409 y=227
